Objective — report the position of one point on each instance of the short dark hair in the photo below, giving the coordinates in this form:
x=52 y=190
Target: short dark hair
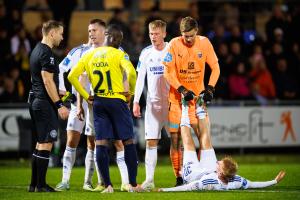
x=49 y=25
x=99 y=22
x=187 y=24
x=116 y=33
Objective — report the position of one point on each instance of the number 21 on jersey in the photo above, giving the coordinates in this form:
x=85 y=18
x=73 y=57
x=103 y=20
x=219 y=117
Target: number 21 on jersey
x=104 y=83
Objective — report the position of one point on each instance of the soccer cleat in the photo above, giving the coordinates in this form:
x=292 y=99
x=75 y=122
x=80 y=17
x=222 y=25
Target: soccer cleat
x=137 y=188
x=99 y=188
x=62 y=186
x=109 y=189
x=46 y=188
x=125 y=187
x=148 y=186
x=179 y=181
x=31 y=188
x=87 y=187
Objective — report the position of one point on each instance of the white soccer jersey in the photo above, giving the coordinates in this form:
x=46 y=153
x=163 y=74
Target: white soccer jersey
x=210 y=181
x=70 y=61
x=150 y=64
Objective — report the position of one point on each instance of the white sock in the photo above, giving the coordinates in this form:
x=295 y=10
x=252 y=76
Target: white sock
x=150 y=163
x=99 y=177
x=89 y=166
x=185 y=120
x=189 y=156
x=208 y=159
x=120 y=159
x=68 y=163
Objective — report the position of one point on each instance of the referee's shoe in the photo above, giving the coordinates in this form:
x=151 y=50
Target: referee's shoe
x=46 y=188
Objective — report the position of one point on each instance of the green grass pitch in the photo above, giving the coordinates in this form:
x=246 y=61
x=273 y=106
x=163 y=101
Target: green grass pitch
x=14 y=179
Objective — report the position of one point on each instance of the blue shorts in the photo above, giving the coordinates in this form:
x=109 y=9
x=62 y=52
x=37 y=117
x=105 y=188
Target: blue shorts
x=112 y=119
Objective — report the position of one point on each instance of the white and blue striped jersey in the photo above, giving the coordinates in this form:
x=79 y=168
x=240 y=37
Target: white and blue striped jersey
x=211 y=181
x=71 y=60
x=150 y=64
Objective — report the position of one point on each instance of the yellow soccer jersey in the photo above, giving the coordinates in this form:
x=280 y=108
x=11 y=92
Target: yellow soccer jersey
x=104 y=67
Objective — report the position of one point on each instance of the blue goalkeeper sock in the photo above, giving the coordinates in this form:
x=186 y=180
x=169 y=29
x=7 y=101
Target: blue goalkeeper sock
x=131 y=161
x=102 y=159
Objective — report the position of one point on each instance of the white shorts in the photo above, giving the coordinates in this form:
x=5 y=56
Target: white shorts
x=74 y=124
x=156 y=117
x=193 y=169
x=89 y=125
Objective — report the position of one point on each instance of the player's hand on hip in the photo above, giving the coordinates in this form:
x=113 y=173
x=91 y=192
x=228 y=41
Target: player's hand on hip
x=280 y=176
x=80 y=112
x=63 y=112
x=136 y=110
x=208 y=94
x=188 y=95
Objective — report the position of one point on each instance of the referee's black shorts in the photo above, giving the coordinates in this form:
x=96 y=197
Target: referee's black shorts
x=45 y=118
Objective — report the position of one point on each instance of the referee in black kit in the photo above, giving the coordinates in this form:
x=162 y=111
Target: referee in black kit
x=45 y=102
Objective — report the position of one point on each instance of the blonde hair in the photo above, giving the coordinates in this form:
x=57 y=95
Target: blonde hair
x=187 y=24
x=230 y=167
x=158 y=24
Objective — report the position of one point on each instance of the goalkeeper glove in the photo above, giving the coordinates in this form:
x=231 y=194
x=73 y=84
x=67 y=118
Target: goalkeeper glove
x=69 y=97
x=187 y=94
x=208 y=93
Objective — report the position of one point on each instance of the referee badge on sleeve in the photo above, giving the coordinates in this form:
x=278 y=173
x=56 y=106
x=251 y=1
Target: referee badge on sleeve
x=53 y=133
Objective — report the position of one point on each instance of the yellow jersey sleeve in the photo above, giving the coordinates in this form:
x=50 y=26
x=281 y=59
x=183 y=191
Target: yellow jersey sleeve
x=76 y=71
x=130 y=72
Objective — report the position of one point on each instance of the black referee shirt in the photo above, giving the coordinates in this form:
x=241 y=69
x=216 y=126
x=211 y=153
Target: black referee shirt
x=42 y=59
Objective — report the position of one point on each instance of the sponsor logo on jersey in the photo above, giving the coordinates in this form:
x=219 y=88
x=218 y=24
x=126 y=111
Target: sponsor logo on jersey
x=100 y=54
x=168 y=57
x=182 y=71
x=157 y=69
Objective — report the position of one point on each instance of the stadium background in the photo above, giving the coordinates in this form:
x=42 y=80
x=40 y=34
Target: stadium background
x=259 y=37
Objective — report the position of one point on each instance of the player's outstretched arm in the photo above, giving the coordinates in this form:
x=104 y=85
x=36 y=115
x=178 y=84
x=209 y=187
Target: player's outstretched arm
x=277 y=179
x=280 y=176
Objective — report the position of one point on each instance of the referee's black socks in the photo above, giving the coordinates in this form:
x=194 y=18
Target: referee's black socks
x=33 y=182
x=42 y=161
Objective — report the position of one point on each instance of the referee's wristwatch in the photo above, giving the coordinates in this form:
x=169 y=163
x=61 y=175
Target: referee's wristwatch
x=59 y=104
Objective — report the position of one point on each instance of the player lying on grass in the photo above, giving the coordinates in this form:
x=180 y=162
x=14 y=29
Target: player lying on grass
x=208 y=173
